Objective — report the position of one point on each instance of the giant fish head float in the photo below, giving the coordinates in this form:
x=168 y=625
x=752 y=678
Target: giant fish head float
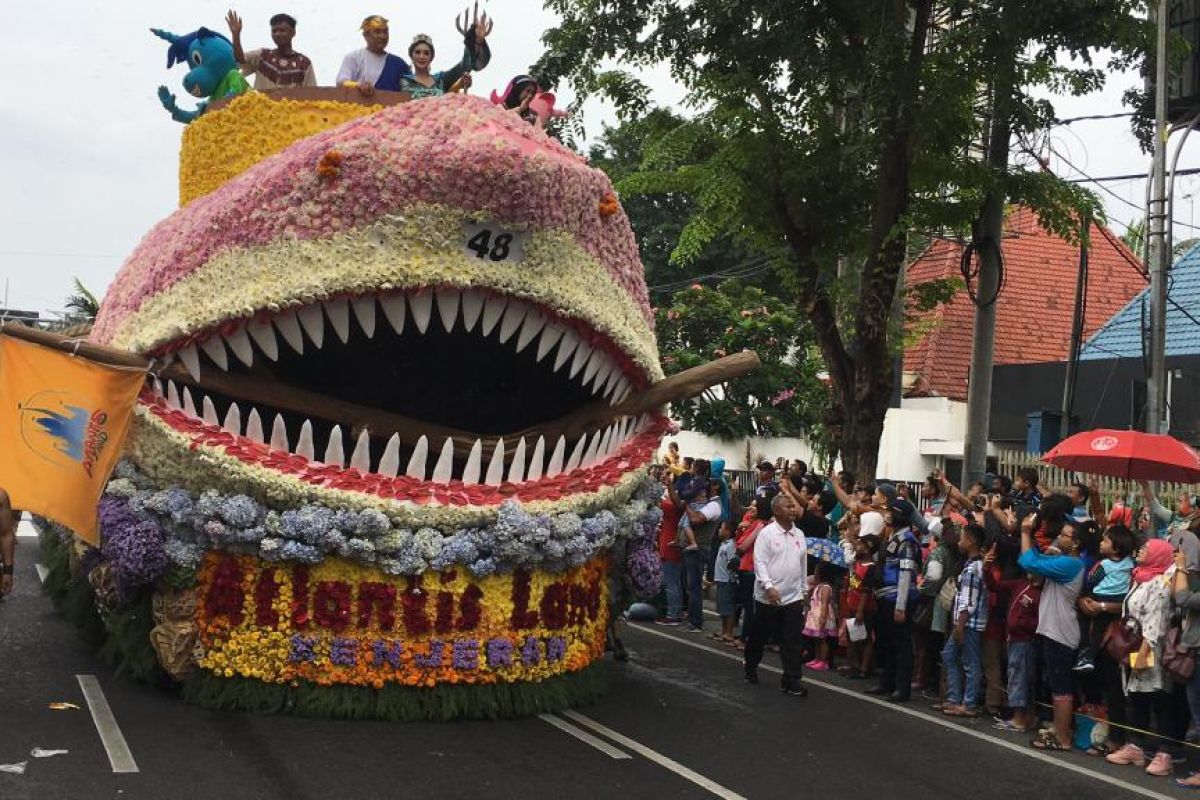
x=392 y=348
x=213 y=72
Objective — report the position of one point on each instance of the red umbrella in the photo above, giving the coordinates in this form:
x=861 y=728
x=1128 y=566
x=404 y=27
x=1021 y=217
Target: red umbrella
x=1131 y=455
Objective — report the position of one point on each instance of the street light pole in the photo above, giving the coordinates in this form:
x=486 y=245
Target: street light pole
x=1159 y=257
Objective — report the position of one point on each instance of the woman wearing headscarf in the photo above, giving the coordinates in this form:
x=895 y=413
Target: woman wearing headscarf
x=1147 y=686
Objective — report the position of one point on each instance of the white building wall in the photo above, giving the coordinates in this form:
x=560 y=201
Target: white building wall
x=917 y=437
x=919 y=434
x=698 y=445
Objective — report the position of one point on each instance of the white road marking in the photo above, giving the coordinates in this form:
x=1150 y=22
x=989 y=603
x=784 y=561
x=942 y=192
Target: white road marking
x=41 y=571
x=584 y=736
x=656 y=757
x=25 y=530
x=106 y=725
x=1025 y=750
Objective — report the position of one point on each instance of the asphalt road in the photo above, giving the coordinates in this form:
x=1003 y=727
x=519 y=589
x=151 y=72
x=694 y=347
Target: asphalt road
x=678 y=717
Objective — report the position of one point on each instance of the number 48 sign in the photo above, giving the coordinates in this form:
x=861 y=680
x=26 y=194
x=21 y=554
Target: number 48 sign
x=488 y=242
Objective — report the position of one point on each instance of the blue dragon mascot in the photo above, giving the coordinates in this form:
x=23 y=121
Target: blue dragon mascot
x=214 y=72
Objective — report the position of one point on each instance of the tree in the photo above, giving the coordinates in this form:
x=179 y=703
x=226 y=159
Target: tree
x=658 y=218
x=827 y=132
x=784 y=398
x=82 y=306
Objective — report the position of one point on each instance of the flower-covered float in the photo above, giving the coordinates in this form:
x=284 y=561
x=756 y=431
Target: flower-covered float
x=395 y=454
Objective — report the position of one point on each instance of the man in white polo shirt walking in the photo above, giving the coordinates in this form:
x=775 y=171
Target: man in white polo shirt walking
x=780 y=584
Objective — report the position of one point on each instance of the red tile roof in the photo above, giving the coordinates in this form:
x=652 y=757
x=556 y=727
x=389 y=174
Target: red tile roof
x=1033 y=314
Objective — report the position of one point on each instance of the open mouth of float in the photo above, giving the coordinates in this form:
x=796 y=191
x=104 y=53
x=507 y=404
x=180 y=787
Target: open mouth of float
x=436 y=385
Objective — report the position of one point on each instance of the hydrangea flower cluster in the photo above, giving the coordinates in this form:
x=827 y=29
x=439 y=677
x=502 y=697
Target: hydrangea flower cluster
x=185 y=526
x=133 y=547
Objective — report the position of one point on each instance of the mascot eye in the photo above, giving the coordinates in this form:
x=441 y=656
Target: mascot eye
x=197 y=59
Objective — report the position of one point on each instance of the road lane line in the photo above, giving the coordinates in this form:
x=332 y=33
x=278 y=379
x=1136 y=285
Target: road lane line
x=106 y=725
x=25 y=530
x=655 y=756
x=584 y=736
x=42 y=572
x=1024 y=750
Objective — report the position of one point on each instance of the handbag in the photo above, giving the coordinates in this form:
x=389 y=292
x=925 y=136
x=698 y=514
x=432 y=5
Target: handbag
x=1177 y=661
x=1122 y=637
x=923 y=616
x=947 y=593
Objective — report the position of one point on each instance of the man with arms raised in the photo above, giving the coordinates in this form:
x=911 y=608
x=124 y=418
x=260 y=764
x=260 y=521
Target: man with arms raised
x=273 y=69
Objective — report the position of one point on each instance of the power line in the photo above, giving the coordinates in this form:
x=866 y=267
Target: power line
x=1087 y=117
x=746 y=269
x=1089 y=179
x=1137 y=176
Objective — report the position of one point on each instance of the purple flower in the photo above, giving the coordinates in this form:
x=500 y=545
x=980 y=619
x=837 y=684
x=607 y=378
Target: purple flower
x=434 y=659
x=344 y=652
x=644 y=568
x=466 y=655
x=531 y=653
x=388 y=651
x=301 y=648
x=556 y=648
x=499 y=652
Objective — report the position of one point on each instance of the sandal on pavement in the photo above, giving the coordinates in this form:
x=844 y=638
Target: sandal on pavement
x=1008 y=726
x=1047 y=740
x=1190 y=782
x=1101 y=749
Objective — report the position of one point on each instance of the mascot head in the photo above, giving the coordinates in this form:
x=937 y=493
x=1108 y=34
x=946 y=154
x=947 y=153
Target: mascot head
x=209 y=54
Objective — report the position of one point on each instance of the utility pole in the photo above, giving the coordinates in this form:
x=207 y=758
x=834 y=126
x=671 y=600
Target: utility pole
x=1156 y=385
x=987 y=238
x=1077 y=323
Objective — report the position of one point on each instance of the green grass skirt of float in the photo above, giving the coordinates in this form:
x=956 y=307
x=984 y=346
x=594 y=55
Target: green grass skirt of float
x=397 y=703
x=122 y=638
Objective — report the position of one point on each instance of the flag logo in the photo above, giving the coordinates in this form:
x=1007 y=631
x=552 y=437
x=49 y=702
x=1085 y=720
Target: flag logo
x=60 y=429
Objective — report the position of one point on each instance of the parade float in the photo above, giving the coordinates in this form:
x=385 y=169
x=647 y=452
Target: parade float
x=386 y=467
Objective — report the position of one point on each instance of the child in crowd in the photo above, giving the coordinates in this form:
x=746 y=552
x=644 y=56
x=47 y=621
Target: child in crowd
x=1024 y=596
x=962 y=655
x=860 y=596
x=821 y=623
x=726 y=576
x=1108 y=582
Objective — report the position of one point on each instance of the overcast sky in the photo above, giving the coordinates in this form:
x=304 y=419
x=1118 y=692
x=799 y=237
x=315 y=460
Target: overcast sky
x=89 y=158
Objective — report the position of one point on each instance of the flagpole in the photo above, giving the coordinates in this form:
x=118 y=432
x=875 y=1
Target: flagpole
x=82 y=348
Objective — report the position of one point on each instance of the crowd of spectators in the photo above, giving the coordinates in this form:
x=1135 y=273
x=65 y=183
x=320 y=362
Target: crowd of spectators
x=1049 y=614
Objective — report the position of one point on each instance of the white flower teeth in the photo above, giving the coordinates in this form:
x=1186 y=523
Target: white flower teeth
x=239 y=343
x=364 y=311
x=289 y=328
x=447 y=303
x=516 y=322
x=393 y=309
x=313 y=323
x=338 y=312
x=191 y=361
x=514 y=315
x=361 y=459
x=233 y=420
x=422 y=309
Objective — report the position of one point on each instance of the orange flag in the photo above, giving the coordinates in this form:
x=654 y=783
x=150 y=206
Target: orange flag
x=63 y=420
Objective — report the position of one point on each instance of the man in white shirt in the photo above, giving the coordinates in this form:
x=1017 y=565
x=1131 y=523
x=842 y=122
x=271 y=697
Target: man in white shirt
x=780 y=585
x=363 y=68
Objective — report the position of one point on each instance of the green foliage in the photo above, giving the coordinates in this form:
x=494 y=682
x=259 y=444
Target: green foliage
x=82 y=306
x=395 y=703
x=783 y=398
x=825 y=135
x=658 y=204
